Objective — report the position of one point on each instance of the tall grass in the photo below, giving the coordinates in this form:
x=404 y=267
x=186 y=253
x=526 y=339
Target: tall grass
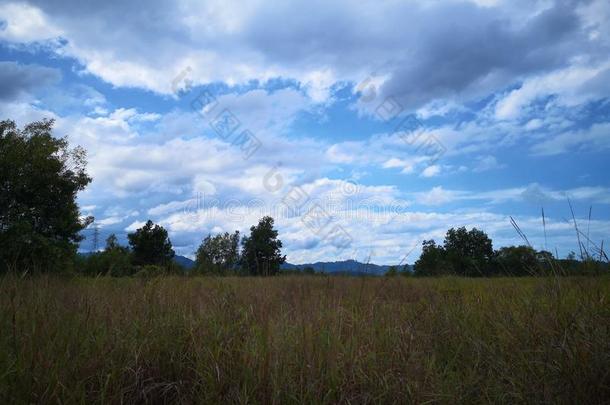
x=304 y=339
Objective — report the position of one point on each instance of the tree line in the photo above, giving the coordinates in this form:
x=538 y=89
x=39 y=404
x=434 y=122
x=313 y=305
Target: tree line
x=40 y=228
x=150 y=253
x=470 y=253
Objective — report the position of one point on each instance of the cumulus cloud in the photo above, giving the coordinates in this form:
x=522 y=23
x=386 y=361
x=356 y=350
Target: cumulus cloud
x=597 y=137
x=424 y=50
x=26 y=23
x=570 y=86
x=431 y=171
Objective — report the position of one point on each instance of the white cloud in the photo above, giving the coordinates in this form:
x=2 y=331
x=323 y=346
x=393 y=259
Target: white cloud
x=534 y=124
x=571 y=86
x=437 y=196
x=25 y=23
x=317 y=44
x=485 y=163
x=431 y=171
x=597 y=137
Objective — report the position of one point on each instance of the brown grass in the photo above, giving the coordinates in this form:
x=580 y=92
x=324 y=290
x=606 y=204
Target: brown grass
x=304 y=340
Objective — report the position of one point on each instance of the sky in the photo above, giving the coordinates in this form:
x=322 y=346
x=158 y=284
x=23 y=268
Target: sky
x=362 y=127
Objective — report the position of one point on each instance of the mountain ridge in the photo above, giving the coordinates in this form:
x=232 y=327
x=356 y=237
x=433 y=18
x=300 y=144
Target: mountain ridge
x=343 y=266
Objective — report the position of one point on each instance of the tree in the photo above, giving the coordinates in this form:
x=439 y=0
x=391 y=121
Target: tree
x=40 y=177
x=392 y=271
x=406 y=271
x=218 y=254
x=432 y=261
x=465 y=253
x=516 y=260
x=112 y=243
x=469 y=252
x=261 y=254
x=151 y=245
x=114 y=260
x=117 y=258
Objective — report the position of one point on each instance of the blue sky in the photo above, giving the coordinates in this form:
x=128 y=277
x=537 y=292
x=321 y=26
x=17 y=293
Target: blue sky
x=362 y=127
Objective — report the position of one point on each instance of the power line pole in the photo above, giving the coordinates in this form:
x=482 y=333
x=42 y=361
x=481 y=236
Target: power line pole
x=96 y=234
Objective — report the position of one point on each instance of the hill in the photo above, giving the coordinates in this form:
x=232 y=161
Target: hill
x=184 y=262
x=344 y=267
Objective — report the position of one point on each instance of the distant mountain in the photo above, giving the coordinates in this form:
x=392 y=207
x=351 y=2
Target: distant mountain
x=184 y=262
x=343 y=267
x=347 y=267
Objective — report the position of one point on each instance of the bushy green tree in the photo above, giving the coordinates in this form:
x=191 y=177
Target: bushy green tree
x=517 y=261
x=117 y=258
x=40 y=177
x=469 y=252
x=261 y=251
x=432 y=261
x=218 y=254
x=150 y=245
x=114 y=260
x=464 y=253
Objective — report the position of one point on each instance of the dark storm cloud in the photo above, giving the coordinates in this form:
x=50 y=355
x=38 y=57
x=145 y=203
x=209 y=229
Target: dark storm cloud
x=429 y=50
x=469 y=50
x=16 y=79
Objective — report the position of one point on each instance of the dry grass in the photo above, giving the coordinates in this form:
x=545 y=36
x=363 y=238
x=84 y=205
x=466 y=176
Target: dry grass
x=304 y=339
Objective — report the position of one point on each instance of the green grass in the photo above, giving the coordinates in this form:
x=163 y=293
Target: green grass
x=304 y=339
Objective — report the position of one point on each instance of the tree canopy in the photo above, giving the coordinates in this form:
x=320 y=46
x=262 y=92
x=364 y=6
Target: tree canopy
x=261 y=253
x=218 y=254
x=469 y=252
x=464 y=253
x=40 y=177
x=150 y=245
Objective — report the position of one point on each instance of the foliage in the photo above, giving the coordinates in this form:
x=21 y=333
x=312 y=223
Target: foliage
x=469 y=252
x=261 y=253
x=114 y=260
x=218 y=254
x=432 y=261
x=464 y=253
x=40 y=177
x=517 y=261
x=150 y=271
x=392 y=271
x=151 y=245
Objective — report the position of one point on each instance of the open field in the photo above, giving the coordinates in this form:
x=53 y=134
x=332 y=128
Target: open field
x=304 y=339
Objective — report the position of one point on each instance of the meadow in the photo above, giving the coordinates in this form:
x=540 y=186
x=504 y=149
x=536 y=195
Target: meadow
x=298 y=339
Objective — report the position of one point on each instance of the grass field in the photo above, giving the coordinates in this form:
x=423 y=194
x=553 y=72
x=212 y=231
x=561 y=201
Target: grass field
x=304 y=339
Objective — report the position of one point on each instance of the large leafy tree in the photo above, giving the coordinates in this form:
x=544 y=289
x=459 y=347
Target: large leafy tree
x=517 y=261
x=432 y=261
x=469 y=252
x=465 y=253
x=151 y=245
x=40 y=177
x=218 y=253
x=261 y=253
